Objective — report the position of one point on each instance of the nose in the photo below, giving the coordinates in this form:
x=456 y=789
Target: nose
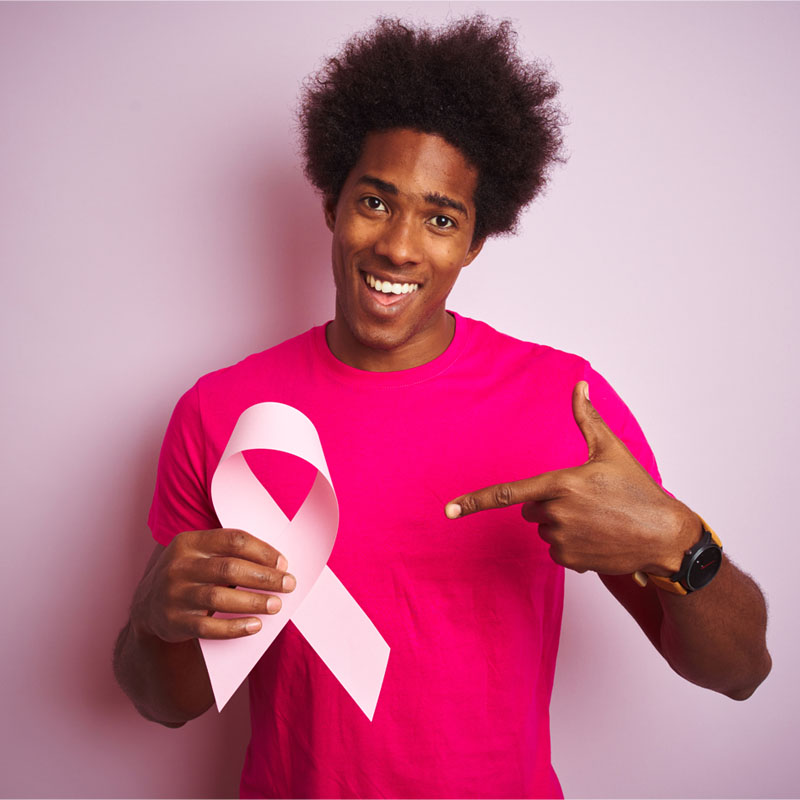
x=399 y=242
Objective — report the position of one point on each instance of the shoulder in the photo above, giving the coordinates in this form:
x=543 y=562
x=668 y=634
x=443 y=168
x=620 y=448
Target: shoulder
x=543 y=379
x=211 y=406
x=257 y=366
x=502 y=352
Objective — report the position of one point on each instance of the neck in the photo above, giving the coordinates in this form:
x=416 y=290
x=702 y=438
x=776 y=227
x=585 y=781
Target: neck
x=419 y=349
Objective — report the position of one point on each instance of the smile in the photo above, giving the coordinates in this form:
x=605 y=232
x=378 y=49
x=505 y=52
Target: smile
x=389 y=288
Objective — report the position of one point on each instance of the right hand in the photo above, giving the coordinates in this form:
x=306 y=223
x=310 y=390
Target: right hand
x=195 y=577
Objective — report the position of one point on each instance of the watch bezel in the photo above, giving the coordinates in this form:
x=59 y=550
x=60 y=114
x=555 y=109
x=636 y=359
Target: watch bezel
x=686 y=575
x=697 y=580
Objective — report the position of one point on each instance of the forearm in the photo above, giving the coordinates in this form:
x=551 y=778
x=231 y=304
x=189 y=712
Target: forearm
x=715 y=637
x=167 y=682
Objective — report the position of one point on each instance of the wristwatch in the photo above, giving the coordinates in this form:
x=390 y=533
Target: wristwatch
x=699 y=566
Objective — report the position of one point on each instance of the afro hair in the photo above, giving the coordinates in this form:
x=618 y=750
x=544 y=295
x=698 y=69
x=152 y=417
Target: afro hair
x=464 y=82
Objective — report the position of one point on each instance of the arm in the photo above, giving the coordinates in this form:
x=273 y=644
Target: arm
x=714 y=637
x=157 y=657
x=608 y=515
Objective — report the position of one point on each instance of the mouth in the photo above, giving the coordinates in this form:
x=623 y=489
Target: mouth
x=387 y=287
x=386 y=292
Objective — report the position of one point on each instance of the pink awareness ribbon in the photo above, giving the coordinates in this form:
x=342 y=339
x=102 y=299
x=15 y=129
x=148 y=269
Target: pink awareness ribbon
x=320 y=607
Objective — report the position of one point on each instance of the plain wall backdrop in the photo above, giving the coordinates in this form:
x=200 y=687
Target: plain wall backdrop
x=155 y=225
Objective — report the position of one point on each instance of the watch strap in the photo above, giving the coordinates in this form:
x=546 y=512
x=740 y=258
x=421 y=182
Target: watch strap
x=668 y=585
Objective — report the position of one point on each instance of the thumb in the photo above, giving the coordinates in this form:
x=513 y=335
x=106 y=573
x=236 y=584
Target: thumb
x=596 y=433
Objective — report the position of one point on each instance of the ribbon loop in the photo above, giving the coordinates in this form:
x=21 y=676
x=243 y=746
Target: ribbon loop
x=320 y=607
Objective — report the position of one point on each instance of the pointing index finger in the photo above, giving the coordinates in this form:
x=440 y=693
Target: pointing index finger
x=501 y=495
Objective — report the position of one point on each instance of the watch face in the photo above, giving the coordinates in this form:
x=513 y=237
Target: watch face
x=704 y=567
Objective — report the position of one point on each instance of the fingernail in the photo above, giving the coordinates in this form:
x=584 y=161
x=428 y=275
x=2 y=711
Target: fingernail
x=282 y=563
x=288 y=583
x=452 y=510
x=273 y=604
x=253 y=625
x=586 y=390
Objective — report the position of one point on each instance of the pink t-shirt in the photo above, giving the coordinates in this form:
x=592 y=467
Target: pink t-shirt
x=471 y=608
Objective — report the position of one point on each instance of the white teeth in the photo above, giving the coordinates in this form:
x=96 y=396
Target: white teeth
x=390 y=288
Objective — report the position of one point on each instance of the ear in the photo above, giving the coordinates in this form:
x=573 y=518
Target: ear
x=329 y=207
x=473 y=251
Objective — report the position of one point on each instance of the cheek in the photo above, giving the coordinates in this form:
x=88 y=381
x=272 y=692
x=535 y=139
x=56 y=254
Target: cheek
x=451 y=255
x=352 y=242
x=449 y=265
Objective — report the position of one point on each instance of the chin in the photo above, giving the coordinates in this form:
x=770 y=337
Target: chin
x=385 y=341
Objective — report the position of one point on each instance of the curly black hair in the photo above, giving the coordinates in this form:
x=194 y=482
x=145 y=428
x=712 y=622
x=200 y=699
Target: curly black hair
x=464 y=82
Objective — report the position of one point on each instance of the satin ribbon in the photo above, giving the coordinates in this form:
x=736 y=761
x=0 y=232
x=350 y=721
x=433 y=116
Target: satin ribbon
x=320 y=607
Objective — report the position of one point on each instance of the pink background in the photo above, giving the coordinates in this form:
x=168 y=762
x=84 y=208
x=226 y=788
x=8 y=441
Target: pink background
x=154 y=225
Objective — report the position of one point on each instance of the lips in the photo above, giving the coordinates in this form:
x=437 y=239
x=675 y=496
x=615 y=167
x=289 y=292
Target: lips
x=388 y=287
x=386 y=292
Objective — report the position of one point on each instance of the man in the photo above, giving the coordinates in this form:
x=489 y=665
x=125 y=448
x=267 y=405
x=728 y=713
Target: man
x=424 y=144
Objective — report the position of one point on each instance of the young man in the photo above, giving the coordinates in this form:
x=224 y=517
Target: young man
x=423 y=144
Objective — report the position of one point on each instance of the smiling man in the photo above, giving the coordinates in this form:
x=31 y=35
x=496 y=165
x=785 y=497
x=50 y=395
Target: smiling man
x=403 y=228
x=423 y=144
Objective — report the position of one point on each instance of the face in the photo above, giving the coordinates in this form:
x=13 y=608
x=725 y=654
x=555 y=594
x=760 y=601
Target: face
x=402 y=231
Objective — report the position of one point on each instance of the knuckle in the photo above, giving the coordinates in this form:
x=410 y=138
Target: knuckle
x=258 y=603
x=182 y=541
x=567 y=482
x=172 y=598
x=552 y=534
x=273 y=580
x=237 y=540
x=173 y=569
x=568 y=561
x=544 y=533
x=561 y=557
x=502 y=495
x=555 y=554
x=228 y=571
x=204 y=627
x=556 y=516
x=556 y=539
x=468 y=504
x=169 y=618
x=214 y=597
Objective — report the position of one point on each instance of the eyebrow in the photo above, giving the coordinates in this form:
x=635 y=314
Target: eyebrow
x=443 y=201
x=435 y=198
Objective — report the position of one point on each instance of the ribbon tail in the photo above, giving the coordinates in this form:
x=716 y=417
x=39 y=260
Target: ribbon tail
x=229 y=662
x=345 y=639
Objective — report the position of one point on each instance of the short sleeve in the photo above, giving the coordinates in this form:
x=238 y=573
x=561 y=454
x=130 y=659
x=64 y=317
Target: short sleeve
x=181 y=499
x=619 y=418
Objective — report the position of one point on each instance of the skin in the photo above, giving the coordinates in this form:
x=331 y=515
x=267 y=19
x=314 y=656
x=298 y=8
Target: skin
x=609 y=516
x=157 y=658
x=406 y=214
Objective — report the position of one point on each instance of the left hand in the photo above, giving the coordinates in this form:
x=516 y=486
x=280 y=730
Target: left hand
x=606 y=515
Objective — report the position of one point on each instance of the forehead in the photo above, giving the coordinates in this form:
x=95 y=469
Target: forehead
x=418 y=164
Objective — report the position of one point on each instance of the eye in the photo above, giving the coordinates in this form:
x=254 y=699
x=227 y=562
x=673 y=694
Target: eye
x=374 y=203
x=442 y=222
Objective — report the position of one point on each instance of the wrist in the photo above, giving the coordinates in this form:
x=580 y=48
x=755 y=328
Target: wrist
x=687 y=531
x=699 y=565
